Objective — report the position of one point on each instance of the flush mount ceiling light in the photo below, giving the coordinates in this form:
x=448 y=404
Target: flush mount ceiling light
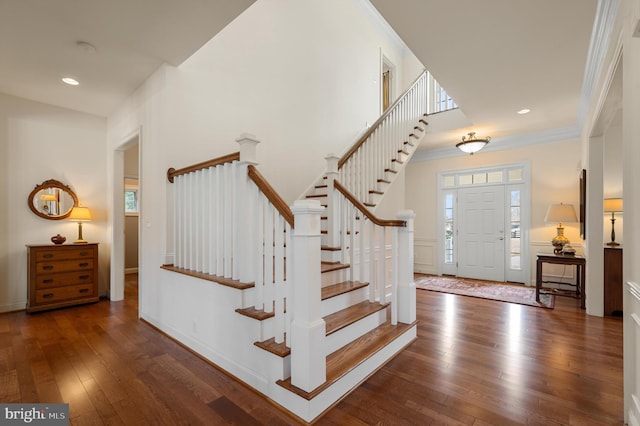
x=524 y=111
x=470 y=143
x=70 y=81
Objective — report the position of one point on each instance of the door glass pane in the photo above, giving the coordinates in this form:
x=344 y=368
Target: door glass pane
x=448 y=228
x=515 y=239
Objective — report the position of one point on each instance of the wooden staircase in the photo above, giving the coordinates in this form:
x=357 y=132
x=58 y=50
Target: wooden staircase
x=358 y=332
x=333 y=298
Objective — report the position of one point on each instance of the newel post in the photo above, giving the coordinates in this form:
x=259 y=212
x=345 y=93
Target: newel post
x=308 y=363
x=246 y=203
x=333 y=229
x=406 y=284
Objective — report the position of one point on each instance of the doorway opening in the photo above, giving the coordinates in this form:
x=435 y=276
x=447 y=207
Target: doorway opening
x=387 y=81
x=483 y=218
x=126 y=202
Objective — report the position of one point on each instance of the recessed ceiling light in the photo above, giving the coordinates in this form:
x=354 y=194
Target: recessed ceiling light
x=524 y=111
x=70 y=81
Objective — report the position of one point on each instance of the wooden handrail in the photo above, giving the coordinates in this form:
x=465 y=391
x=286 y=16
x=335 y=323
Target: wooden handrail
x=271 y=194
x=375 y=125
x=380 y=222
x=171 y=173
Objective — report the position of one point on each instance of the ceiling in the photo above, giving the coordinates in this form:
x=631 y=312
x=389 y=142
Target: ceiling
x=494 y=57
x=132 y=38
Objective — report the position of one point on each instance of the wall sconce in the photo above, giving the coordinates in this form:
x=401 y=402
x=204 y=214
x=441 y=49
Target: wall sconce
x=80 y=214
x=613 y=206
x=470 y=143
x=558 y=213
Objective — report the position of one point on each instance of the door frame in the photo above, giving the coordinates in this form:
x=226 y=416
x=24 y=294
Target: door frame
x=450 y=181
x=117 y=214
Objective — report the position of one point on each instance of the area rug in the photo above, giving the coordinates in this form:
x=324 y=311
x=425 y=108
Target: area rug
x=512 y=293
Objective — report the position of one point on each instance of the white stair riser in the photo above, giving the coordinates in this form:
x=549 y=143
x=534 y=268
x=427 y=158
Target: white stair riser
x=331 y=256
x=333 y=277
x=343 y=301
x=348 y=334
x=277 y=367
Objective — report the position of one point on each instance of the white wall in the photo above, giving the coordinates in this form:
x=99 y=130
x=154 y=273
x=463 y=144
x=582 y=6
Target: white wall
x=554 y=179
x=40 y=142
x=303 y=76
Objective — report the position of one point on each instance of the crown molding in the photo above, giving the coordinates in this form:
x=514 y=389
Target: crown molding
x=606 y=12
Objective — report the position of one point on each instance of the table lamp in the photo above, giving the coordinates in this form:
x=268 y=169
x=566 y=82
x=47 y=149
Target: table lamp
x=80 y=214
x=613 y=206
x=558 y=213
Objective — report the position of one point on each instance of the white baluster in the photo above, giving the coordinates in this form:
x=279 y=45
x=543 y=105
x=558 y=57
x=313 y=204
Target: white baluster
x=228 y=219
x=259 y=256
x=394 y=275
x=372 y=261
x=178 y=222
x=279 y=285
x=235 y=218
x=382 y=267
x=288 y=288
x=268 y=256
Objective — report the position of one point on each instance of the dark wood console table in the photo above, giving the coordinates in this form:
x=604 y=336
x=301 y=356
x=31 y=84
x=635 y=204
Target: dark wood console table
x=578 y=261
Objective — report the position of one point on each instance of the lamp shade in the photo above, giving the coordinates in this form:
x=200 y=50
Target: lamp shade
x=471 y=143
x=80 y=214
x=558 y=213
x=612 y=205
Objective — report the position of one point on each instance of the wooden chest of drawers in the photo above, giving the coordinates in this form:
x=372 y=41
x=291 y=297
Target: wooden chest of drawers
x=62 y=275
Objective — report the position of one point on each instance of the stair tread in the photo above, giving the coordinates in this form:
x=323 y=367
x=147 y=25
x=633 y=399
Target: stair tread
x=390 y=171
x=395 y=160
x=408 y=143
x=373 y=191
x=317 y=196
x=327 y=248
x=332 y=266
x=341 y=288
x=252 y=312
x=321 y=186
x=383 y=181
x=341 y=319
x=270 y=345
x=345 y=359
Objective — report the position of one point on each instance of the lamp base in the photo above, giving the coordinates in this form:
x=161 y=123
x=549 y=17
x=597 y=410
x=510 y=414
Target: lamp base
x=81 y=242
x=613 y=244
x=559 y=241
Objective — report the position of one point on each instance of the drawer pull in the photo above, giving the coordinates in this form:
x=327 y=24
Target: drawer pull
x=83 y=277
x=47 y=281
x=47 y=267
x=47 y=255
x=83 y=290
x=83 y=264
x=84 y=253
x=47 y=296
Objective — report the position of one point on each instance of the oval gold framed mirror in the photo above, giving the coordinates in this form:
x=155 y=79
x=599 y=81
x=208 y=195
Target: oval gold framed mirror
x=52 y=200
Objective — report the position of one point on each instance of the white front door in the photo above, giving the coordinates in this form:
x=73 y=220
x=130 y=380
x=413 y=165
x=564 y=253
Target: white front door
x=481 y=238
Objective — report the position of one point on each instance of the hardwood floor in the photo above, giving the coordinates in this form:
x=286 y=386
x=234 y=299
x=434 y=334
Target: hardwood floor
x=475 y=362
